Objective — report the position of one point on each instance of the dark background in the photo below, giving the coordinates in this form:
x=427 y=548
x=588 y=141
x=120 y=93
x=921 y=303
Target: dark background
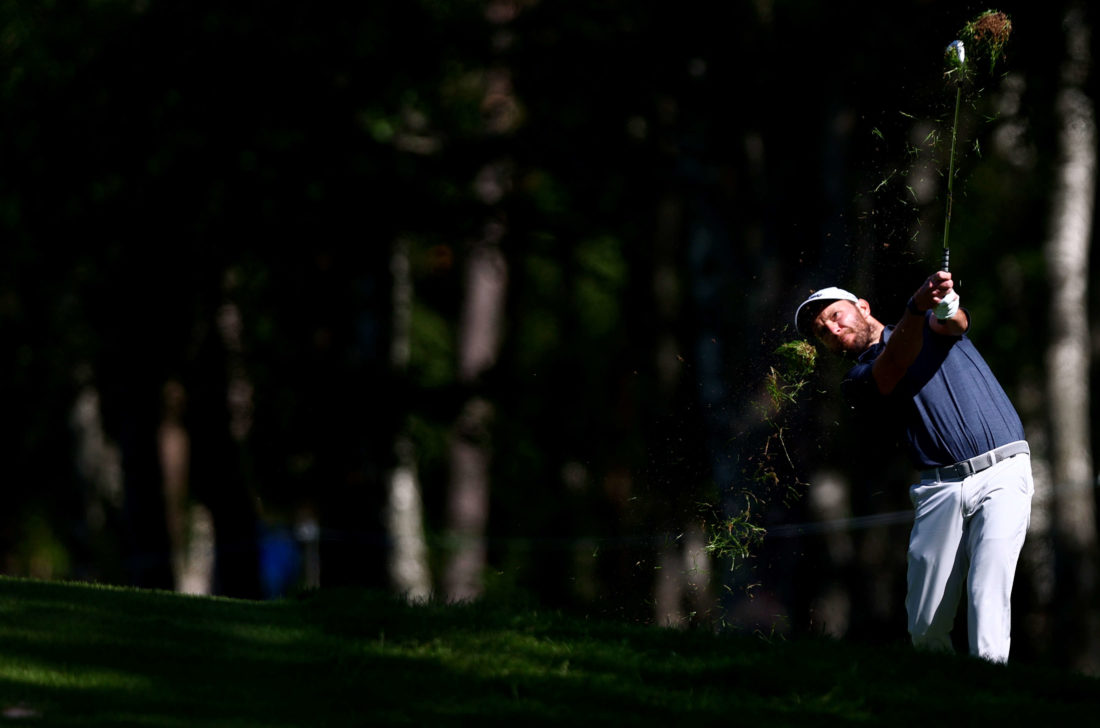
x=208 y=198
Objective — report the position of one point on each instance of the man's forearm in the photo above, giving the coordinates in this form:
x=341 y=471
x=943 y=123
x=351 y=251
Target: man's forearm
x=901 y=350
x=957 y=325
x=905 y=343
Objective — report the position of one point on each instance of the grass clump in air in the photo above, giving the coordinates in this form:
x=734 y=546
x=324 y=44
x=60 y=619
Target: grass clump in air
x=736 y=534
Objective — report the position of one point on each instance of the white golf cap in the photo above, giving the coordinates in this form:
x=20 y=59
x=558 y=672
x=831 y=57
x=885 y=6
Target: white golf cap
x=824 y=296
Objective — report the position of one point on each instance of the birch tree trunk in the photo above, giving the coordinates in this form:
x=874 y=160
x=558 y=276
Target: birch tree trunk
x=1067 y=250
x=409 y=572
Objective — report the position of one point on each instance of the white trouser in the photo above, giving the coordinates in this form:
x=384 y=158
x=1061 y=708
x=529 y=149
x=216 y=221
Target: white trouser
x=968 y=532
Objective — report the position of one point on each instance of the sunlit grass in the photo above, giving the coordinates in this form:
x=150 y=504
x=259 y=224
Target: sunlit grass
x=79 y=655
x=29 y=673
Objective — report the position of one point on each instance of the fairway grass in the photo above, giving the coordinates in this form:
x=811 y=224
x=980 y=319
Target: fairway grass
x=84 y=655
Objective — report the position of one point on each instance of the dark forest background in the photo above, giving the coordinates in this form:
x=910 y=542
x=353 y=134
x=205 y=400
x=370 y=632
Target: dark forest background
x=457 y=298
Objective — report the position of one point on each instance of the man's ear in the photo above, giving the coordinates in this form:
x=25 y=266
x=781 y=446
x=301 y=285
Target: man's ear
x=864 y=307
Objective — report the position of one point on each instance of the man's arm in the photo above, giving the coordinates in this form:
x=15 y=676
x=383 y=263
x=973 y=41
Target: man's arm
x=908 y=336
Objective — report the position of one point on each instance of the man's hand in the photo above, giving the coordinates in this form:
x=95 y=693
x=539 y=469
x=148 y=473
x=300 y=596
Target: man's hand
x=934 y=290
x=948 y=307
x=938 y=293
x=905 y=344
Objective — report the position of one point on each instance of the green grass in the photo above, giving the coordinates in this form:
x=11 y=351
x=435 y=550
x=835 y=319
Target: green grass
x=84 y=655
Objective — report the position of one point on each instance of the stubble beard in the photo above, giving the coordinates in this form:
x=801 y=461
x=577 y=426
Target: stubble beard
x=863 y=339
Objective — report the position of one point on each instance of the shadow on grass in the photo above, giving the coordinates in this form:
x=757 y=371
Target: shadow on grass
x=85 y=655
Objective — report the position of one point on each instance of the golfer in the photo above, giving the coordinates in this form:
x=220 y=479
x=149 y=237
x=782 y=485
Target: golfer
x=924 y=380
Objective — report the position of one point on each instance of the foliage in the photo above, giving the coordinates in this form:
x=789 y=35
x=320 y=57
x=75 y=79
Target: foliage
x=987 y=35
x=797 y=362
x=903 y=187
x=737 y=536
x=784 y=382
x=734 y=538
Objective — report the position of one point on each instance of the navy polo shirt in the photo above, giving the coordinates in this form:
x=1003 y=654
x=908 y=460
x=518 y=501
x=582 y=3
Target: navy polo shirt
x=948 y=406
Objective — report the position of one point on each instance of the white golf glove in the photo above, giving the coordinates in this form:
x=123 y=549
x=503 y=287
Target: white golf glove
x=948 y=307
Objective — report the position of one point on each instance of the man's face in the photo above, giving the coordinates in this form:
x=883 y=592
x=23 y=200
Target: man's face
x=845 y=327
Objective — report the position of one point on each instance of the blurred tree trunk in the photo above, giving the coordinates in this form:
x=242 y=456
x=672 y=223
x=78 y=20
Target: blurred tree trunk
x=682 y=593
x=148 y=560
x=479 y=335
x=1067 y=250
x=408 y=567
x=220 y=419
x=98 y=466
x=190 y=529
x=130 y=386
x=470 y=456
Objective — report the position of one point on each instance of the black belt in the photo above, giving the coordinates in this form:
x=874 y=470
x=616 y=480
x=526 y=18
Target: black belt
x=976 y=464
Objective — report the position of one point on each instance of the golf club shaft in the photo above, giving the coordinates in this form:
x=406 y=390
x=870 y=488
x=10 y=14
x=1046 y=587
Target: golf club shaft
x=951 y=180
